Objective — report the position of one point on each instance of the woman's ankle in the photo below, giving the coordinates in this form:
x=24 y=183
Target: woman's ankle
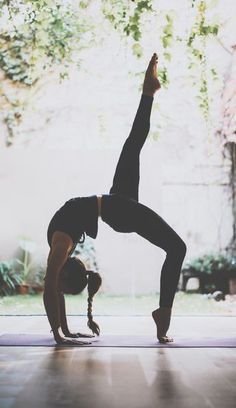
x=149 y=94
x=164 y=309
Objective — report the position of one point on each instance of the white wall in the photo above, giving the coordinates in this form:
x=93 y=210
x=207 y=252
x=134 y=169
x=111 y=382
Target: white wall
x=193 y=199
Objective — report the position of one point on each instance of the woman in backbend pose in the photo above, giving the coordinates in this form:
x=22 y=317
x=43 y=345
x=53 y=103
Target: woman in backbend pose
x=122 y=211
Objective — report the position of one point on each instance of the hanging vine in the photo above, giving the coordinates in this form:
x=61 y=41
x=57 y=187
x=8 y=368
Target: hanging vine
x=38 y=36
x=128 y=21
x=200 y=32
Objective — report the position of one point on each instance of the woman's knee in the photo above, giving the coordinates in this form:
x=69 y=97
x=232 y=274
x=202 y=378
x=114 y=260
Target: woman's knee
x=178 y=247
x=182 y=247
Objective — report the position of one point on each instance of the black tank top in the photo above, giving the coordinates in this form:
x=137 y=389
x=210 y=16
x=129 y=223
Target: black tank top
x=77 y=217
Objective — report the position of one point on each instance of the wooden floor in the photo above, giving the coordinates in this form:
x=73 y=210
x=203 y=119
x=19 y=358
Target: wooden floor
x=38 y=377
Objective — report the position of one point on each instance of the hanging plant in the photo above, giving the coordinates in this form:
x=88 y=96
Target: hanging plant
x=127 y=19
x=200 y=32
x=36 y=36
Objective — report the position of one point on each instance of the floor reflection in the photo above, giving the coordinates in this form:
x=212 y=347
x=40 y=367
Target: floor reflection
x=120 y=378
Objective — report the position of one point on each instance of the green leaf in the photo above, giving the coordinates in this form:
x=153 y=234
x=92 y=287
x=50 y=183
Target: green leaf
x=137 y=50
x=167 y=56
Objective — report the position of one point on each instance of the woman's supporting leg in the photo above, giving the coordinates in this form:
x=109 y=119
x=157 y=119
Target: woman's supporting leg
x=125 y=215
x=152 y=227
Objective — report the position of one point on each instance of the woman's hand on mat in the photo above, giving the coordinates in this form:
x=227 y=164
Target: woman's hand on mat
x=71 y=342
x=77 y=335
x=62 y=338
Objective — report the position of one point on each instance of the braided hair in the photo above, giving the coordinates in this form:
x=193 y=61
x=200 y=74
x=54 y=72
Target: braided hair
x=74 y=278
x=94 y=283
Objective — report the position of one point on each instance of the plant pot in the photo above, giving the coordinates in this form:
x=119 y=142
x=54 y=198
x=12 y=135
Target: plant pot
x=22 y=289
x=232 y=286
x=38 y=289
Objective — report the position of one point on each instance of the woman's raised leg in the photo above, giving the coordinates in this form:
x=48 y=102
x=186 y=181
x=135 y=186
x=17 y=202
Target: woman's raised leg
x=126 y=178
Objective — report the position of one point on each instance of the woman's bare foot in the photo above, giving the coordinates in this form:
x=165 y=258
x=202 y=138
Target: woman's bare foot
x=151 y=83
x=161 y=318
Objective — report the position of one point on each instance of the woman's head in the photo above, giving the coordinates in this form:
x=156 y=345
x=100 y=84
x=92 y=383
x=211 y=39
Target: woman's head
x=74 y=278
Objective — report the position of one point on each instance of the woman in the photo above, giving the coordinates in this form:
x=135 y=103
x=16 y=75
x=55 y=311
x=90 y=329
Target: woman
x=122 y=211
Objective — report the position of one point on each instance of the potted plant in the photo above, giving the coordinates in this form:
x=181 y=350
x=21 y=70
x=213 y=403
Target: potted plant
x=9 y=278
x=38 y=280
x=27 y=247
x=213 y=271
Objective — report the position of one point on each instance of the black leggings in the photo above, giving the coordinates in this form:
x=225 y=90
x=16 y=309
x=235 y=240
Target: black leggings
x=122 y=211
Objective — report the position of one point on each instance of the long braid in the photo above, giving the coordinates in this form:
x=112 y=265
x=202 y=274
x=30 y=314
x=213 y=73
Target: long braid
x=89 y=309
x=94 y=283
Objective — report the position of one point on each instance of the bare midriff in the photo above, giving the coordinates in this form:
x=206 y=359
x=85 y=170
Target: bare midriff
x=99 y=198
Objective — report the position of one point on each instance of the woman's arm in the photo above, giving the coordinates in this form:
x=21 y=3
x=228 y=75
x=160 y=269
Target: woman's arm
x=61 y=246
x=51 y=295
x=64 y=325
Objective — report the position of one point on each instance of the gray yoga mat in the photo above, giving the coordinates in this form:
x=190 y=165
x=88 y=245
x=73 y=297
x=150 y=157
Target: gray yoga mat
x=120 y=341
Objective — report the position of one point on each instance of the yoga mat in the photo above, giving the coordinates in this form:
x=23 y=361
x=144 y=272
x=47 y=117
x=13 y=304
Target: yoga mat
x=120 y=341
